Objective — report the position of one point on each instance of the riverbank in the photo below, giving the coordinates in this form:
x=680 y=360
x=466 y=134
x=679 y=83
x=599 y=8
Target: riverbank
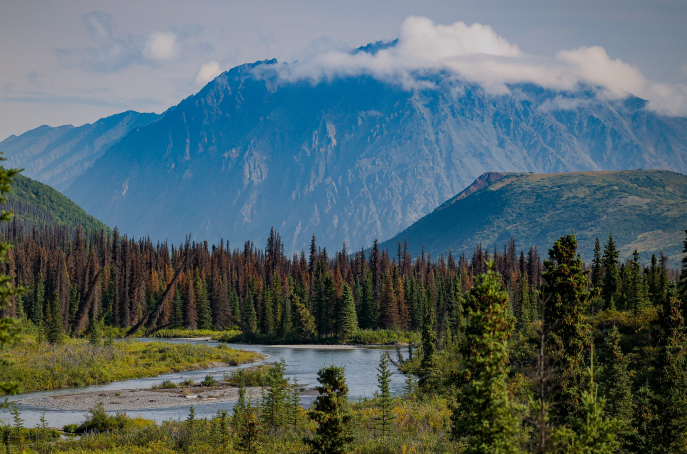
x=76 y=363
x=137 y=399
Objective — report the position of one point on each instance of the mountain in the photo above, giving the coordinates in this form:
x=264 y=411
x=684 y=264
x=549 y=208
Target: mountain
x=643 y=209
x=57 y=155
x=35 y=203
x=352 y=158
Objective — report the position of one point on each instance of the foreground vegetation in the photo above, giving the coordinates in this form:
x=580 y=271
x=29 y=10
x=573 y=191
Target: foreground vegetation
x=76 y=362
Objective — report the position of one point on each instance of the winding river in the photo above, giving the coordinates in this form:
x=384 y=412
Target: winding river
x=302 y=363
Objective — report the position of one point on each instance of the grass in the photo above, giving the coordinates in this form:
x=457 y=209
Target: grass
x=360 y=337
x=178 y=333
x=77 y=363
x=418 y=427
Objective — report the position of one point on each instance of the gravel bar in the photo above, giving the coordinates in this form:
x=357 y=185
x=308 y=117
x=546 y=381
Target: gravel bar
x=137 y=399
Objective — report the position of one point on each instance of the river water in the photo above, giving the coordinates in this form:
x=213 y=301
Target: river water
x=302 y=363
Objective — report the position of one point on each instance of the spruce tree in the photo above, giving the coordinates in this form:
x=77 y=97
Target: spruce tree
x=484 y=415
x=9 y=328
x=303 y=321
x=275 y=402
x=611 y=280
x=430 y=374
x=384 y=395
x=202 y=302
x=597 y=265
x=670 y=384
x=347 y=322
x=54 y=325
x=616 y=388
x=330 y=413
x=388 y=313
x=565 y=292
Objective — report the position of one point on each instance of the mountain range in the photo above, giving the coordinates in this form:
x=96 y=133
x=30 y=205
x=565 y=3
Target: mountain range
x=350 y=159
x=56 y=155
x=645 y=210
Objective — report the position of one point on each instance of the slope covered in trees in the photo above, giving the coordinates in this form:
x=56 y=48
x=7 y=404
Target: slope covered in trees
x=35 y=204
x=645 y=210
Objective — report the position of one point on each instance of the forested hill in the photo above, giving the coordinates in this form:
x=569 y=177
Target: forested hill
x=643 y=209
x=35 y=203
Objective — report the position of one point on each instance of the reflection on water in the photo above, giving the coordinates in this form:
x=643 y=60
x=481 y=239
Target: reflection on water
x=303 y=363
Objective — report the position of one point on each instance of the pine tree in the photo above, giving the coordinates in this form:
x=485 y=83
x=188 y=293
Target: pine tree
x=616 y=387
x=54 y=324
x=485 y=415
x=670 y=386
x=597 y=265
x=202 y=302
x=275 y=403
x=523 y=314
x=239 y=415
x=303 y=321
x=611 y=280
x=388 y=313
x=565 y=292
x=9 y=328
x=596 y=432
x=177 y=309
x=429 y=369
x=347 y=321
x=384 y=395
x=330 y=413
x=682 y=282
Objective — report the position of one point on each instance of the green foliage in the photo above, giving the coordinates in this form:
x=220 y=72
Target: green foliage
x=76 y=363
x=9 y=328
x=36 y=203
x=384 y=395
x=97 y=420
x=565 y=294
x=275 y=405
x=347 y=320
x=429 y=369
x=331 y=413
x=209 y=381
x=611 y=281
x=485 y=415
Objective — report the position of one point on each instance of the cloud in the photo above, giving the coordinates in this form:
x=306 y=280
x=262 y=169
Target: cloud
x=161 y=46
x=111 y=52
x=477 y=54
x=207 y=72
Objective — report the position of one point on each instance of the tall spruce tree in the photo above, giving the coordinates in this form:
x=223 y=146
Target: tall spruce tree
x=484 y=414
x=331 y=414
x=565 y=292
x=9 y=328
x=670 y=384
x=385 y=417
x=53 y=331
x=202 y=302
x=616 y=388
x=611 y=280
x=430 y=374
x=597 y=265
x=347 y=322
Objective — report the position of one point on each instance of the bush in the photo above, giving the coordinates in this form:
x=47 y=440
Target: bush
x=209 y=381
x=167 y=384
x=99 y=421
x=251 y=376
x=187 y=383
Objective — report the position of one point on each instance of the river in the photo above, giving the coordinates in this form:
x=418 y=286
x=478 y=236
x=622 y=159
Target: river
x=303 y=363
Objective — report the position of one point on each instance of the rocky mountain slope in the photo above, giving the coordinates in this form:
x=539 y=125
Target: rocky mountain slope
x=56 y=155
x=352 y=158
x=644 y=209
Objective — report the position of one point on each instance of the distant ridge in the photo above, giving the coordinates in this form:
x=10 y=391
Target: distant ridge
x=644 y=209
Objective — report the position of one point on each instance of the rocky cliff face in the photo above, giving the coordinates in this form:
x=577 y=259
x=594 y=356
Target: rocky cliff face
x=56 y=156
x=351 y=159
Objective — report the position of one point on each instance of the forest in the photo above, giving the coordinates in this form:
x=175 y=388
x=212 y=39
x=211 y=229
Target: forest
x=507 y=350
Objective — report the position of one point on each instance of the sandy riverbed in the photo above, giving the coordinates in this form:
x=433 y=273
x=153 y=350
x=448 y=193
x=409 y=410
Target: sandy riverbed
x=137 y=399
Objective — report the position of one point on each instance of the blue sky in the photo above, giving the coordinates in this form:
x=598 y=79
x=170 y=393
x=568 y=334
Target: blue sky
x=72 y=62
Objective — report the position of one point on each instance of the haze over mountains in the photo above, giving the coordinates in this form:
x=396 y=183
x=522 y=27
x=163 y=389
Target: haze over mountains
x=56 y=155
x=352 y=158
x=349 y=158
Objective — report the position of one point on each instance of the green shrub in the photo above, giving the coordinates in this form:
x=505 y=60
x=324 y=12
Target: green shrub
x=251 y=376
x=167 y=384
x=209 y=381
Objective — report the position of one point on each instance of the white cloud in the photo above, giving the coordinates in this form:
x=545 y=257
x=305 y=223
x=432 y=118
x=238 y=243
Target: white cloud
x=207 y=72
x=161 y=46
x=479 y=55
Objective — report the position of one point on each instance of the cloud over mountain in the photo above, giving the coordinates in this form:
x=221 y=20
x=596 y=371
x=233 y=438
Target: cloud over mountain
x=478 y=54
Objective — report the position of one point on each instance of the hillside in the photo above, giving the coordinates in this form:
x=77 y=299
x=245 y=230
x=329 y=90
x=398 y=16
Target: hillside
x=644 y=209
x=56 y=155
x=35 y=203
x=351 y=158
